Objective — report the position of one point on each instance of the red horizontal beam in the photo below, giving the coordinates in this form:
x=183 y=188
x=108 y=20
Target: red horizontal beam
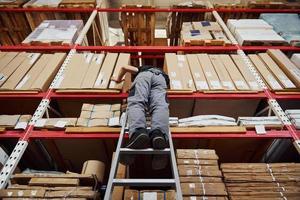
x=253 y=10
x=260 y=95
x=158 y=49
x=265 y=48
x=36 y=48
x=24 y=95
x=286 y=96
x=249 y=134
x=11 y=134
x=47 y=10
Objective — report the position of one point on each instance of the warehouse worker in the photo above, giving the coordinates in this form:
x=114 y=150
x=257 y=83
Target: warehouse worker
x=148 y=91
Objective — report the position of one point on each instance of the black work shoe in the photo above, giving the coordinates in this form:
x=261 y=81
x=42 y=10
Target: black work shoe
x=139 y=139
x=158 y=139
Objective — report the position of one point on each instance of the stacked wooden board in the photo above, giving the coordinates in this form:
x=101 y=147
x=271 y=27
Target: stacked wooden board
x=51 y=186
x=92 y=72
x=55 y=32
x=209 y=73
x=278 y=71
x=138 y=27
x=176 y=19
x=28 y=71
x=203 y=33
x=199 y=173
x=262 y=181
x=255 y=32
x=13 y=25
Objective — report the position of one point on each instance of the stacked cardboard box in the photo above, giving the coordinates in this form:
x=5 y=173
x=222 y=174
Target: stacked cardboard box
x=294 y=116
x=90 y=71
x=99 y=115
x=203 y=33
x=28 y=71
x=209 y=72
x=55 y=32
x=149 y=194
x=55 y=123
x=14 y=121
x=254 y=32
x=262 y=181
x=51 y=186
x=199 y=174
x=277 y=70
x=296 y=59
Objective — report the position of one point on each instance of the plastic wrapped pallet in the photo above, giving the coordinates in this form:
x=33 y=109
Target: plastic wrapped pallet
x=287 y=24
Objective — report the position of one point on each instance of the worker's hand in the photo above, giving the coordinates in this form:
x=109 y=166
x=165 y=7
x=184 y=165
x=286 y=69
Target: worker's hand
x=113 y=78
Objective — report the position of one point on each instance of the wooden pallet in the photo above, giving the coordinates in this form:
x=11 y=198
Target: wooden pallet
x=138 y=27
x=203 y=43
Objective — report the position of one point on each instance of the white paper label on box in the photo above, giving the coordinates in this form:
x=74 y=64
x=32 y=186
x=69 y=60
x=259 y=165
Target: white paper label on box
x=189 y=172
x=208 y=74
x=260 y=129
x=59 y=81
x=192 y=185
x=181 y=58
x=176 y=84
x=195 y=198
x=197 y=75
x=186 y=162
x=22 y=82
x=20 y=193
x=173 y=74
x=40 y=123
x=34 y=58
x=228 y=84
x=89 y=58
x=202 y=85
x=215 y=84
x=21 y=125
x=114 y=121
x=60 y=124
x=99 y=79
x=150 y=196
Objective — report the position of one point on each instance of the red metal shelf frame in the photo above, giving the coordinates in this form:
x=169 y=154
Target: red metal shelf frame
x=24 y=95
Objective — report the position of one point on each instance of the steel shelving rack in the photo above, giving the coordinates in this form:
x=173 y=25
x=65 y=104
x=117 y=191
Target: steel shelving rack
x=29 y=133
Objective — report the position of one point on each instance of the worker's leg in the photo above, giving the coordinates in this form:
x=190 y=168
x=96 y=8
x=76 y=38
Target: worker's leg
x=137 y=103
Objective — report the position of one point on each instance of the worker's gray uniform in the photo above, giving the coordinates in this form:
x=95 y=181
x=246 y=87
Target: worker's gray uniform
x=148 y=90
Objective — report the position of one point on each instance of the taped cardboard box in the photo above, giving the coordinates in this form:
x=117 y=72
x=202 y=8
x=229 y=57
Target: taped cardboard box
x=94 y=167
x=223 y=75
x=286 y=65
x=247 y=74
x=197 y=72
x=9 y=121
x=149 y=195
x=277 y=72
x=185 y=72
x=55 y=123
x=123 y=60
x=296 y=59
x=202 y=171
x=206 y=154
x=209 y=72
x=182 y=161
x=266 y=74
x=197 y=179
x=6 y=58
x=205 y=189
x=206 y=25
x=106 y=71
x=234 y=73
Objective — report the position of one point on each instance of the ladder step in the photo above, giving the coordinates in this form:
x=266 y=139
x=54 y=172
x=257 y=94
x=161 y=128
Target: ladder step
x=144 y=182
x=144 y=151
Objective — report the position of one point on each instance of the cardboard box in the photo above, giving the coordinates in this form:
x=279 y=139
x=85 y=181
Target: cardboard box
x=87 y=107
x=102 y=107
x=184 y=70
x=206 y=198
x=209 y=72
x=55 y=122
x=247 y=74
x=277 y=72
x=101 y=114
x=9 y=120
x=258 y=35
x=171 y=68
x=223 y=75
x=56 y=182
x=82 y=122
x=123 y=60
x=207 y=25
x=6 y=58
x=206 y=154
x=9 y=193
x=94 y=167
x=105 y=73
x=115 y=107
x=149 y=195
x=205 y=189
x=286 y=65
x=203 y=171
x=234 y=24
x=266 y=74
x=14 y=80
x=234 y=73
x=9 y=69
x=183 y=161
x=197 y=72
x=296 y=59
x=97 y=122
x=44 y=79
x=75 y=71
x=93 y=71
x=85 y=114
x=197 y=179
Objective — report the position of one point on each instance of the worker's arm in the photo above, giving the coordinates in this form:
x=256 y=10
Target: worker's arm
x=123 y=70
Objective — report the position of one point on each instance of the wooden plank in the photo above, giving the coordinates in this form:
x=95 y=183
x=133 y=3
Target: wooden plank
x=54 y=182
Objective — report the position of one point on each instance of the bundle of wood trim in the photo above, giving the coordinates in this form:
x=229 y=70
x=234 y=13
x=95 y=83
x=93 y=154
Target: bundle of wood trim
x=262 y=181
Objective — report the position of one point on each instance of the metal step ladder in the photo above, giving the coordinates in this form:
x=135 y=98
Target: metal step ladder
x=112 y=181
